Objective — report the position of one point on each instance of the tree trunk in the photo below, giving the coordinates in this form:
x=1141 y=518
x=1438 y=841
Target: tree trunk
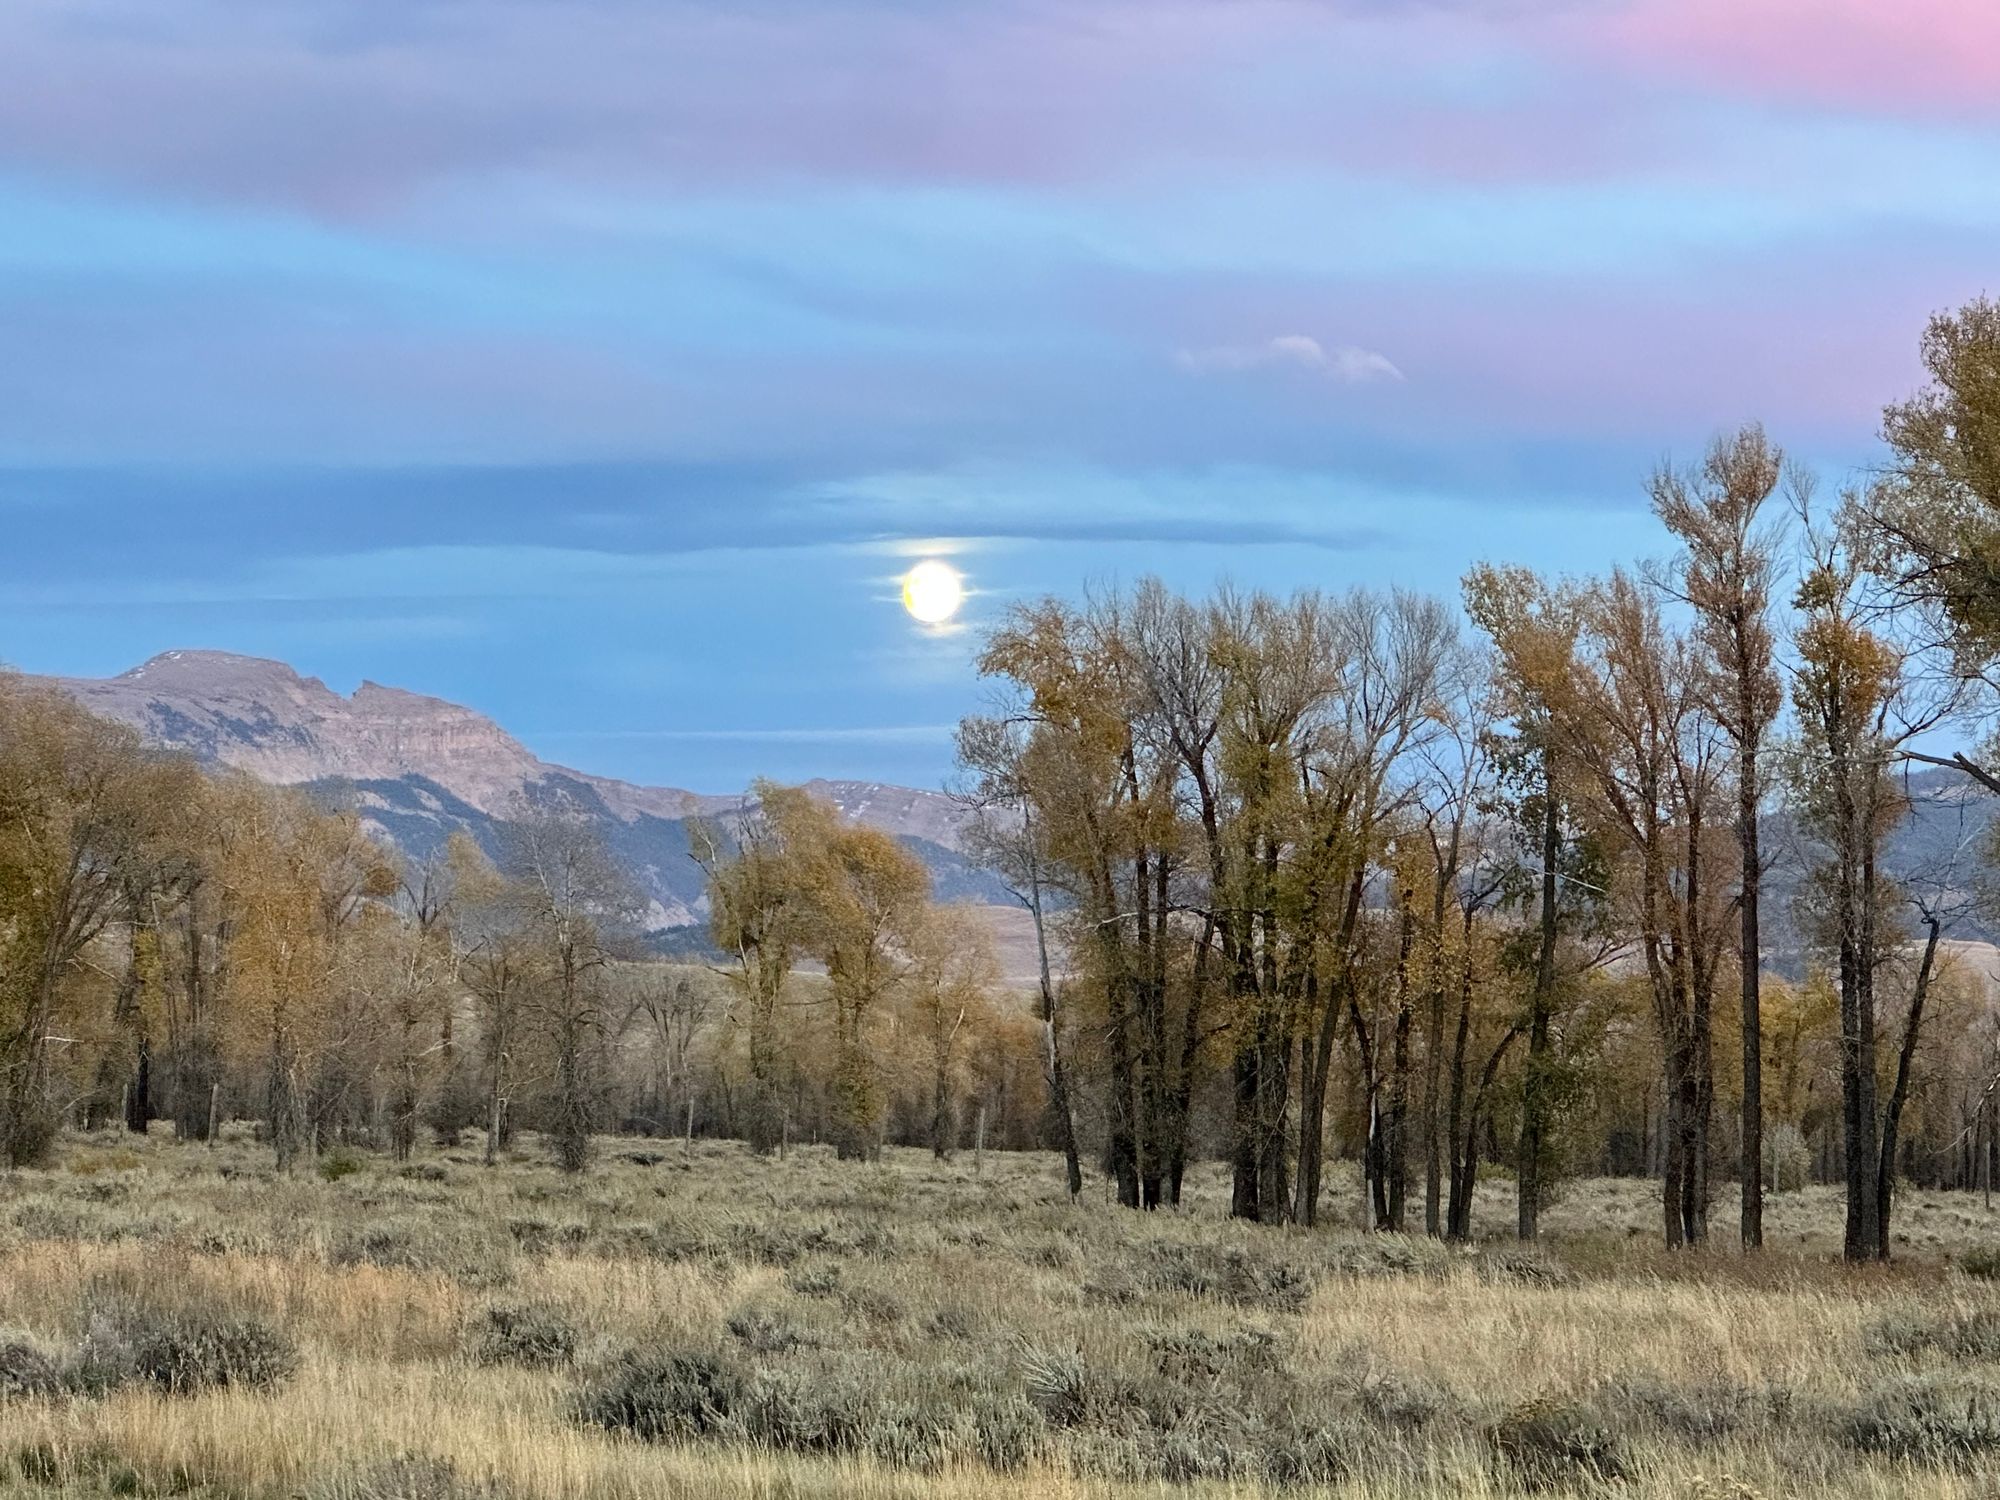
x=1319 y=1062
x=1530 y=1186
x=1750 y=963
x=1892 y=1116
x=1397 y=1142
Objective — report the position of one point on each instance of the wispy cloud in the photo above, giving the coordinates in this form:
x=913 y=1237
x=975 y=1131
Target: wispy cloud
x=1347 y=363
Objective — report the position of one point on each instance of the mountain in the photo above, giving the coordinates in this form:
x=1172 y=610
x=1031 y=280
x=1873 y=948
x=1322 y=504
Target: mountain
x=418 y=769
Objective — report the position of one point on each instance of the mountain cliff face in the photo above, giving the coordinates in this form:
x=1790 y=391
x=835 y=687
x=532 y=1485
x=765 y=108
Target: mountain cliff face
x=418 y=769
x=263 y=718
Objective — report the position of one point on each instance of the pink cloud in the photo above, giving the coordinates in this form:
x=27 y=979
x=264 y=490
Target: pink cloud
x=1897 y=56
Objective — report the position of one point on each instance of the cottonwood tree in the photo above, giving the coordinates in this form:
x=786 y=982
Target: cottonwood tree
x=1453 y=826
x=674 y=1007
x=949 y=1002
x=1398 y=655
x=500 y=966
x=1103 y=800
x=1725 y=573
x=75 y=806
x=808 y=884
x=1611 y=687
x=863 y=895
x=1858 y=702
x=569 y=899
x=1212 y=783
x=1008 y=838
x=1929 y=527
x=296 y=881
x=757 y=918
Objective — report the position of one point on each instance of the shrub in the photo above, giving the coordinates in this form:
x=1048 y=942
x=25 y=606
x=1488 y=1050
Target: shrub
x=1552 y=1442
x=1008 y=1432
x=26 y=1368
x=1983 y=1263
x=1522 y=1265
x=1303 y=1452
x=1191 y=1353
x=1970 y=1335
x=1705 y=1413
x=661 y=1396
x=1951 y=1417
x=1228 y=1274
x=820 y=1279
x=878 y=1304
x=1396 y=1402
x=802 y=1410
x=769 y=1330
x=535 y=1336
x=909 y=1435
x=1058 y=1385
x=400 y=1247
x=341 y=1161
x=412 y=1476
x=954 y=1320
x=181 y=1350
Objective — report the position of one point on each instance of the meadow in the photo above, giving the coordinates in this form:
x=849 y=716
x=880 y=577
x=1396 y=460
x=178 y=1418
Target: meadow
x=183 y=1320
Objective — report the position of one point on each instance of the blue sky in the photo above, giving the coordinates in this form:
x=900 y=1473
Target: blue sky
x=602 y=364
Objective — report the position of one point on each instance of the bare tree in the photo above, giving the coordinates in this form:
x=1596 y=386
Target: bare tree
x=567 y=895
x=1726 y=574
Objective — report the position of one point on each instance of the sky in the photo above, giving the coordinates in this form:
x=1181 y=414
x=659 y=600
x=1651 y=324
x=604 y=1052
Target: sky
x=601 y=364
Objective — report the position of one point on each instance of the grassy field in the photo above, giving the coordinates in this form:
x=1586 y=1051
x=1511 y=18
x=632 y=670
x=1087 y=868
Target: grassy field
x=181 y=1320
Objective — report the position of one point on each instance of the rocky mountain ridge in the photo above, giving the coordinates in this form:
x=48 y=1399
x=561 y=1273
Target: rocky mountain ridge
x=418 y=768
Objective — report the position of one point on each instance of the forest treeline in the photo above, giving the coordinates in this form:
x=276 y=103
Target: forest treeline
x=1438 y=887
x=197 y=947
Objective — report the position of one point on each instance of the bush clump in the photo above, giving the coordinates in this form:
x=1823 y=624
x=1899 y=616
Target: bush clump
x=26 y=1368
x=662 y=1395
x=341 y=1161
x=764 y=1329
x=181 y=1350
x=411 y=1476
x=1058 y=1385
x=1944 y=1418
x=1228 y=1274
x=540 y=1337
x=1965 y=1334
x=394 y=1246
x=1983 y=1263
x=1550 y=1442
x=1705 y=1413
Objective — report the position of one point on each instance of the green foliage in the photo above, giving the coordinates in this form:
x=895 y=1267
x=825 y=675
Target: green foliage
x=340 y=1162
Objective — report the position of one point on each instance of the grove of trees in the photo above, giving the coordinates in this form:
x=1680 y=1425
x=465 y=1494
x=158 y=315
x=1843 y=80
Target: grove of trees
x=1570 y=875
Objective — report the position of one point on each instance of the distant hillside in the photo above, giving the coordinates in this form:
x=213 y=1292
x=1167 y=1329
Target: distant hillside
x=418 y=769
x=1940 y=851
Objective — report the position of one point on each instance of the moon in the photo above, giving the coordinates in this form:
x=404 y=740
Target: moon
x=933 y=591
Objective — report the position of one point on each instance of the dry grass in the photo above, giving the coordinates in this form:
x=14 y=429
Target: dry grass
x=890 y=1331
